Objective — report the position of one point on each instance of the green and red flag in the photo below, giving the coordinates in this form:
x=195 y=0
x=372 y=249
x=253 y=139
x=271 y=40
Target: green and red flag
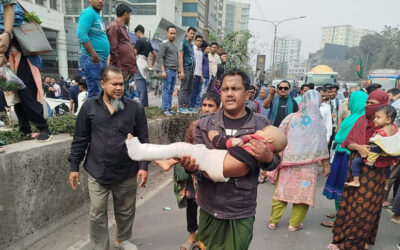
x=360 y=68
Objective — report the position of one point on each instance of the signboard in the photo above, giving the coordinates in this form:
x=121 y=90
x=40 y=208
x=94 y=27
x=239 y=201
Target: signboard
x=260 y=62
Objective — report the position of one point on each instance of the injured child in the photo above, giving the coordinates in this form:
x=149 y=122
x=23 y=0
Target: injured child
x=211 y=161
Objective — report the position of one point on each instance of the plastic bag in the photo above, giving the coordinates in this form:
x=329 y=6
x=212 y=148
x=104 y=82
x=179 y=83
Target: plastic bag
x=9 y=81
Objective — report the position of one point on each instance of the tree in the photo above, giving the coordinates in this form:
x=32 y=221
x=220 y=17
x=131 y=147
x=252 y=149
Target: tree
x=235 y=44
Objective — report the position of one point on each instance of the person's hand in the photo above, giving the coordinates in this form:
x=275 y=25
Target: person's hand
x=182 y=76
x=95 y=59
x=260 y=150
x=3 y=60
x=142 y=177
x=189 y=164
x=73 y=179
x=272 y=91
x=212 y=134
x=4 y=42
x=164 y=75
x=363 y=150
x=264 y=174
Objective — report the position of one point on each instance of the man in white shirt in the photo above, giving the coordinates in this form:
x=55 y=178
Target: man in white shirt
x=213 y=61
x=198 y=70
x=326 y=113
x=82 y=96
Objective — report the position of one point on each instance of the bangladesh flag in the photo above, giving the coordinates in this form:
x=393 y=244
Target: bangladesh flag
x=360 y=68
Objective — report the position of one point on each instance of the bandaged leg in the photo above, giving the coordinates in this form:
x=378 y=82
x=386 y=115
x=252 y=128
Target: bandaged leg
x=210 y=160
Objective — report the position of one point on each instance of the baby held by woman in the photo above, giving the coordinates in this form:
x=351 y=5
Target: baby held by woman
x=231 y=153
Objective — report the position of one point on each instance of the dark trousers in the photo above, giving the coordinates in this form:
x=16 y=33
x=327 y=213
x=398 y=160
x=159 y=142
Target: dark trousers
x=356 y=165
x=331 y=141
x=29 y=109
x=396 y=204
x=191 y=215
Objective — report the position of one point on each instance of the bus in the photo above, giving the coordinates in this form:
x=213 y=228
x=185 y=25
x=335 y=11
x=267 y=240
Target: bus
x=388 y=78
x=321 y=74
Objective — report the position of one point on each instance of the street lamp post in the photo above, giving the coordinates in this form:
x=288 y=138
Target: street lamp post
x=275 y=23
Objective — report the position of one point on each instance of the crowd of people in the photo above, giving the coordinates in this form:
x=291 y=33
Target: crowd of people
x=282 y=134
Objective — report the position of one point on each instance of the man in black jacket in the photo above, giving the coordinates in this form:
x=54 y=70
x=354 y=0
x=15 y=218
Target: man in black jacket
x=100 y=132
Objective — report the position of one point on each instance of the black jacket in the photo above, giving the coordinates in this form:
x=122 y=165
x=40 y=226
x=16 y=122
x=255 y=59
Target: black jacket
x=101 y=137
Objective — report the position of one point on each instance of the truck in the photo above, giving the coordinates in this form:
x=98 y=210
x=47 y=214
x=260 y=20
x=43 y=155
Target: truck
x=320 y=75
x=388 y=78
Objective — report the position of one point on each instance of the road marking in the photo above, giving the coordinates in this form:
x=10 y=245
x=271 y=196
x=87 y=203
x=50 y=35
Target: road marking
x=111 y=220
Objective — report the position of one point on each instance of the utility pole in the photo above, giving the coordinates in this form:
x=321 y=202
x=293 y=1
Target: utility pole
x=206 y=32
x=275 y=23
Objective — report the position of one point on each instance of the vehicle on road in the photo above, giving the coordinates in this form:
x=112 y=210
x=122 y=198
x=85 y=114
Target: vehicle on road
x=388 y=78
x=321 y=74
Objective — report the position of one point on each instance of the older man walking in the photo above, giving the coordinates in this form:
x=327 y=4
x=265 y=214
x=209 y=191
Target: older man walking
x=100 y=132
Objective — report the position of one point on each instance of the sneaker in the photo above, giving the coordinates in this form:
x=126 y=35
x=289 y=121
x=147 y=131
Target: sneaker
x=125 y=245
x=167 y=113
x=173 y=112
x=2 y=124
x=398 y=246
x=44 y=137
x=183 y=111
x=192 y=110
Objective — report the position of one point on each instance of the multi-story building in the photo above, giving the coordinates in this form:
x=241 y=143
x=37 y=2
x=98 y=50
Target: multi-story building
x=287 y=51
x=193 y=14
x=343 y=35
x=236 y=16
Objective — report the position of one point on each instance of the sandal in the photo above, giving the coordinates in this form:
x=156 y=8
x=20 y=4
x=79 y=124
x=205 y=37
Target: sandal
x=186 y=246
x=272 y=226
x=330 y=216
x=294 y=229
x=327 y=223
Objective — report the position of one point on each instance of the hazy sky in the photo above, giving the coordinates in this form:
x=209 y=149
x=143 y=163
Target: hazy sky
x=368 y=14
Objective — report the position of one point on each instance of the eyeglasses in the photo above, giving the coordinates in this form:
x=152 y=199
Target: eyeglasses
x=283 y=88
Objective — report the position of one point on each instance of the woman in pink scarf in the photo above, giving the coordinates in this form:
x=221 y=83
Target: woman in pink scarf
x=296 y=178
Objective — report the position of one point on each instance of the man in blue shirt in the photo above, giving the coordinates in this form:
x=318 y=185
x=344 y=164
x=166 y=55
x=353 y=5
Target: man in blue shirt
x=94 y=45
x=186 y=70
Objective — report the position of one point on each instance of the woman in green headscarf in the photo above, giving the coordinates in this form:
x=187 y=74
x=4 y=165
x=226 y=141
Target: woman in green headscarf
x=337 y=177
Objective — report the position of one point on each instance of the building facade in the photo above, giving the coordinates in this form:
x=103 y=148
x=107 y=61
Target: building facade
x=343 y=35
x=287 y=51
x=193 y=14
x=236 y=16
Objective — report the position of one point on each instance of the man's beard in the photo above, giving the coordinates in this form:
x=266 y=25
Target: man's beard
x=117 y=103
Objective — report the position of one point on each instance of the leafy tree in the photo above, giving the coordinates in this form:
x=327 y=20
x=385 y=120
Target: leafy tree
x=235 y=44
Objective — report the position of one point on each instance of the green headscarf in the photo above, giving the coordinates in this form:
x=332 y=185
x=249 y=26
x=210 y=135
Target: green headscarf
x=357 y=103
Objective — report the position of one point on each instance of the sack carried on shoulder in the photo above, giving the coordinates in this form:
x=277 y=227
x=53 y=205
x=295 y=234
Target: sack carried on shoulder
x=31 y=38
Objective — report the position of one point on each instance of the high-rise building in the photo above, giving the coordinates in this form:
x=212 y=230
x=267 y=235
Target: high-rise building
x=193 y=14
x=236 y=16
x=287 y=50
x=343 y=35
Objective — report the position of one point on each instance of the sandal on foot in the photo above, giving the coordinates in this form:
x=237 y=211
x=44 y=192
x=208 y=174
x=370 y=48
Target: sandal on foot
x=330 y=216
x=327 y=223
x=294 y=229
x=186 y=246
x=272 y=226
